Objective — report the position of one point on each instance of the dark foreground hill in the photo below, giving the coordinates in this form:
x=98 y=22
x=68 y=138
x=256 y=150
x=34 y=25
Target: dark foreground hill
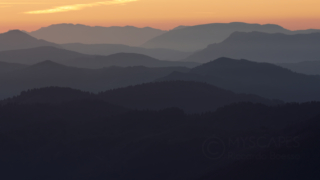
x=263 y=47
x=87 y=140
x=48 y=73
x=192 y=97
x=263 y=79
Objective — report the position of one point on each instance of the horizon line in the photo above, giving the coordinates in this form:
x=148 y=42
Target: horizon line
x=142 y=27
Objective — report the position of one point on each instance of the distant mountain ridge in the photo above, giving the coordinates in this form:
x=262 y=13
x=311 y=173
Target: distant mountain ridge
x=78 y=33
x=194 y=38
x=263 y=47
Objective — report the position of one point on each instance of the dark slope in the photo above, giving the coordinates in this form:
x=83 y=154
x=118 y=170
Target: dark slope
x=51 y=95
x=189 y=96
x=48 y=73
x=198 y=37
x=77 y=33
x=108 y=49
x=306 y=67
x=16 y=39
x=39 y=54
x=125 y=60
x=86 y=140
x=263 y=79
x=263 y=47
x=7 y=67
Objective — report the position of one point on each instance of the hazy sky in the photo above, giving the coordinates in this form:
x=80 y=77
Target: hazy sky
x=164 y=14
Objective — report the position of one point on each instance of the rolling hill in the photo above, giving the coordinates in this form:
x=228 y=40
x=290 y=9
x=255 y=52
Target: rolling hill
x=17 y=40
x=108 y=49
x=263 y=79
x=75 y=59
x=124 y=60
x=39 y=54
x=49 y=73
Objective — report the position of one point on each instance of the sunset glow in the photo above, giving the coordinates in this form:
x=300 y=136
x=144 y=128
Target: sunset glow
x=75 y=7
x=164 y=14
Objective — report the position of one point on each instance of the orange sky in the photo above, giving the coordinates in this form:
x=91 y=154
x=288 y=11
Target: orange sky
x=163 y=14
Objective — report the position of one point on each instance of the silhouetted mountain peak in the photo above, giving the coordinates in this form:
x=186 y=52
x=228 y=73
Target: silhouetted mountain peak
x=223 y=60
x=46 y=63
x=15 y=31
x=270 y=26
x=16 y=34
x=179 y=27
x=16 y=39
